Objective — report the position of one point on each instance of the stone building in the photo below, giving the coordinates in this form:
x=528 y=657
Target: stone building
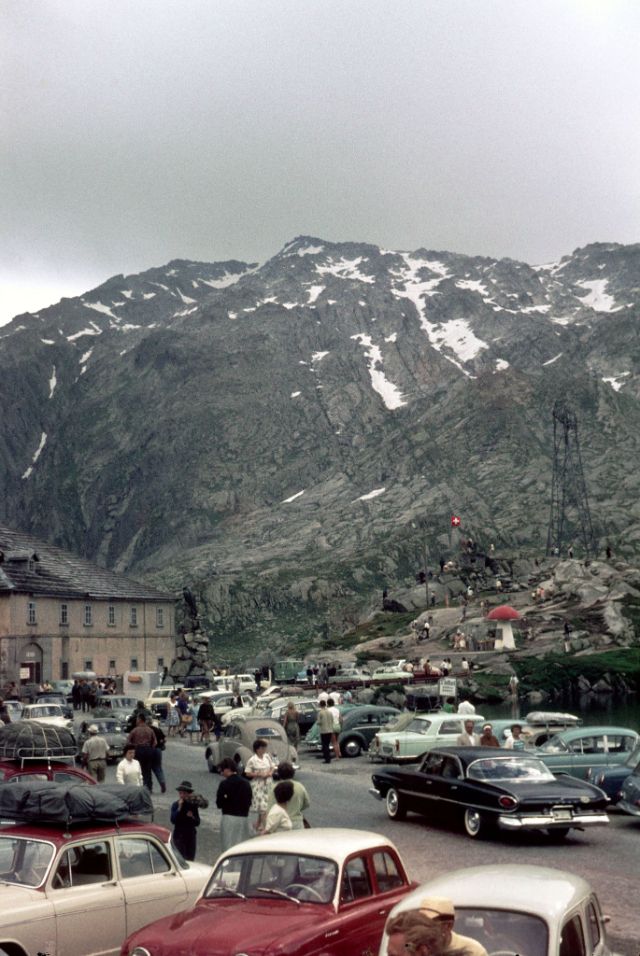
x=60 y=614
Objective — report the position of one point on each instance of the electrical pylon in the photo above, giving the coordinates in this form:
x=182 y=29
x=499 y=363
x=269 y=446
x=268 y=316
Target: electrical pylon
x=570 y=517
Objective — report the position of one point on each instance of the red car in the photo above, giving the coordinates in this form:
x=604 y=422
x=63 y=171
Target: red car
x=317 y=891
x=13 y=771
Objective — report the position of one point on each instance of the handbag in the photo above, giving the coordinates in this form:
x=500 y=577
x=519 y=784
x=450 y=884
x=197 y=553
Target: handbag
x=186 y=719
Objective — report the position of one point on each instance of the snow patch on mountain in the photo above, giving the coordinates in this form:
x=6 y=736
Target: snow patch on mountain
x=390 y=393
x=314 y=292
x=99 y=307
x=36 y=455
x=472 y=285
x=597 y=298
x=318 y=356
x=501 y=365
x=187 y=300
x=554 y=359
x=371 y=494
x=229 y=278
x=287 y=501
x=47 y=341
x=53 y=381
x=616 y=381
x=457 y=335
x=345 y=269
x=79 y=335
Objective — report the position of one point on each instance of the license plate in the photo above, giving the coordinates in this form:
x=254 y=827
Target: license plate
x=562 y=814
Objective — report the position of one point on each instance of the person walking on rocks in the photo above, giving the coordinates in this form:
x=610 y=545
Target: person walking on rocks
x=94 y=754
x=233 y=799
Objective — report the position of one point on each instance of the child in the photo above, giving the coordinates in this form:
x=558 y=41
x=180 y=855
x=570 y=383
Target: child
x=185 y=819
x=277 y=817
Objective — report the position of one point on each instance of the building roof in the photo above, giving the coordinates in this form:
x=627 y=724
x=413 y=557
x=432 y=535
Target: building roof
x=30 y=566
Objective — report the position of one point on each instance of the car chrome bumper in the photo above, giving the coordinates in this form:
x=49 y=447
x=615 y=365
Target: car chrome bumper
x=552 y=822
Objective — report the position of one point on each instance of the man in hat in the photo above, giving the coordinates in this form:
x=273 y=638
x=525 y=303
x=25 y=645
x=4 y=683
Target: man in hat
x=428 y=931
x=94 y=754
x=185 y=818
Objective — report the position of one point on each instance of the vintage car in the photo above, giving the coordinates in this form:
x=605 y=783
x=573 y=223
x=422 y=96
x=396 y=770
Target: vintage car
x=236 y=741
x=158 y=701
x=223 y=701
x=420 y=735
x=575 y=751
x=14 y=709
x=46 y=714
x=111 y=729
x=392 y=672
x=351 y=677
x=116 y=705
x=490 y=788
x=55 y=698
x=314 y=891
x=629 y=800
x=517 y=909
x=24 y=771
x=360 y=723
x=79 y=891
x=610 y=779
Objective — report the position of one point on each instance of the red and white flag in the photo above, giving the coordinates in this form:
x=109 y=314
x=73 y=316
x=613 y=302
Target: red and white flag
x=455 y=521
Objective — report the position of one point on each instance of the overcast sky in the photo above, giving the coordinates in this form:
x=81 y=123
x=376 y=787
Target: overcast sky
x=145 y=130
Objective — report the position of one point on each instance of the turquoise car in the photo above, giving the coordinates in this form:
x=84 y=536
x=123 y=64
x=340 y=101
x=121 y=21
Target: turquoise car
x=575 y=751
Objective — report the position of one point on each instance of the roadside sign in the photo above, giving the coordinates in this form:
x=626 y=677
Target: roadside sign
x=447 y=687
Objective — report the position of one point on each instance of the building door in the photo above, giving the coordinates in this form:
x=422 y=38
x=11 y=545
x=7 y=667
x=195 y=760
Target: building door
x=31 y=665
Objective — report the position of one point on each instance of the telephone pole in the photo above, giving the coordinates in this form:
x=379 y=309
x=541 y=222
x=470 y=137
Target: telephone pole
x=569 y=517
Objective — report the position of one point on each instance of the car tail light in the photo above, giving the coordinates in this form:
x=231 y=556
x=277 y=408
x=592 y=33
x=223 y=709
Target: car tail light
x=507 y=803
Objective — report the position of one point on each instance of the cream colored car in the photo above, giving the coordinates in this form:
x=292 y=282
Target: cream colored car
x=80 y=893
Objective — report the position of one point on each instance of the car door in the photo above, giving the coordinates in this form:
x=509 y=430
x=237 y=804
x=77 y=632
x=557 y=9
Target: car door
x=361 y=913
x=584 y=751
x=152 y=885
x=88 y=900
x=448 y=732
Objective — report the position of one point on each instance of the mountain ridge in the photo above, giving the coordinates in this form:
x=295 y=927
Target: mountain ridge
x=274 y=432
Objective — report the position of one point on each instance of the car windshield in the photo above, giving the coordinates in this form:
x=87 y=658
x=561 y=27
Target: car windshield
x=306 y=878
x=46 y=710
x=107 y=726
x=400 y=723
x=24 y=861
x=513 y=769
x=504 y=931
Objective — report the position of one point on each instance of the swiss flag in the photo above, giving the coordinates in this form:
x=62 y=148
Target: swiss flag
x=455 y=521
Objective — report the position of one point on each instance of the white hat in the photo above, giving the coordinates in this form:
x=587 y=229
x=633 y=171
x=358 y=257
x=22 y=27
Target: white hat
x=93 y=729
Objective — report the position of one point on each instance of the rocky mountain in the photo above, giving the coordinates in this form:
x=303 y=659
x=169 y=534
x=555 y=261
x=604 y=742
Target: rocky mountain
x=286 y=437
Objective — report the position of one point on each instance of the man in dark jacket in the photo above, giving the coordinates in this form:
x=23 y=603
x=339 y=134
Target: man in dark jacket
x=143 y=739
x=234 y=799
x=185 y=818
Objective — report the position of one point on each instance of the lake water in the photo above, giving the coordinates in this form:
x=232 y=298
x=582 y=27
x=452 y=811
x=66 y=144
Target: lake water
x=601 y=709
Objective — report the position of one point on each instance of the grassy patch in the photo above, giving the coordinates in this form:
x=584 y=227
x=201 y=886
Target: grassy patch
x=558 y=671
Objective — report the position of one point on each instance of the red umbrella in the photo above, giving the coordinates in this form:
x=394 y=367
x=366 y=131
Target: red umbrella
x=504 y=613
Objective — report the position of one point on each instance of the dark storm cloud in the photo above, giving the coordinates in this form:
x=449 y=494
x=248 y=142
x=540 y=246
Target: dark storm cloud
x=141 y=130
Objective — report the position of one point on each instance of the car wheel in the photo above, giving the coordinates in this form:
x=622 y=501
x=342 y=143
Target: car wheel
x=396 y=809
x=474 y=823
x=351 y=747
x=558 y=835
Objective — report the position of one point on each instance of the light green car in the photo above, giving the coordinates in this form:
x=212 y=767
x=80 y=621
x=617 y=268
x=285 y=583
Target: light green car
x=423 y=732
x=575 y=751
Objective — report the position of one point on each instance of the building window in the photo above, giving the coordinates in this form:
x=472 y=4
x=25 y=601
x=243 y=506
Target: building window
x=159 y=617
x=31 y=612
x=112 y=665
x=111 y=616
x=161 y=663
x=64 y=613
x=134 y=664
x=64 y=670
x=88 y=617
x=133 y=620
x=88 y=665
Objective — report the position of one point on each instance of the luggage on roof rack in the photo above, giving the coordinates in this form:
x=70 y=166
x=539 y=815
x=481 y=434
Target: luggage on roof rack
x=43 y=801
x=26 y=740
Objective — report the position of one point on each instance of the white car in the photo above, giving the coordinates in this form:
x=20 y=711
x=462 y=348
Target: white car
x=223 y=701
x=515 y=909
x=46 y=714
x=392 y=671
x=78 y=891
x=424 y=732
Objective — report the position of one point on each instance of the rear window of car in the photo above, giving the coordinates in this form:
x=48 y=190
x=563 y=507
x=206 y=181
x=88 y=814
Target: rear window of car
x=504 y=930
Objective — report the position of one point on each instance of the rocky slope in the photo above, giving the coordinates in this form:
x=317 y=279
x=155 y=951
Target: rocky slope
x=275 y=435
